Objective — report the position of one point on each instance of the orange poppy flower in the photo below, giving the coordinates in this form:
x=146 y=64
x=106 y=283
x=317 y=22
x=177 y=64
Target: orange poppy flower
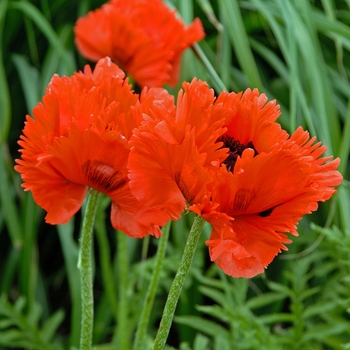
x=174 y=148
x=79 y=139
x=238 y=169
x=144 y=37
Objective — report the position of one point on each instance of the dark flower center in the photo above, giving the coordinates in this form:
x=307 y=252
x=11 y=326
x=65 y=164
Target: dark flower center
x=266 y=213
x=102 y=177
x=235 y=149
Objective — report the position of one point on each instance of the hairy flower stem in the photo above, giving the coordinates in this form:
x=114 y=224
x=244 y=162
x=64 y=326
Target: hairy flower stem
x=152 y=289
x=179 y=280
x=85 y=266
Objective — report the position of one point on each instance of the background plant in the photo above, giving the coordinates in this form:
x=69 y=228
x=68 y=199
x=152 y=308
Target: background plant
x=296 y=51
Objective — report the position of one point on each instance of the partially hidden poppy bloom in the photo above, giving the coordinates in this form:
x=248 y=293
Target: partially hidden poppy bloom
x=144 y=37
x=236 y=167
x=78 y=139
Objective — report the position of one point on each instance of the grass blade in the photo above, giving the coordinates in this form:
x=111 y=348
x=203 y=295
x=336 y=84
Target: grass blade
x=71 y=252
x=29 y=77
x=38 y=18
x=8 y=203
x=5 y=103
x=240 y=42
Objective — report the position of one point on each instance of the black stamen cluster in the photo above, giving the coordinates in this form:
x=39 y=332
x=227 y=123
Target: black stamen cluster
x=235 y=149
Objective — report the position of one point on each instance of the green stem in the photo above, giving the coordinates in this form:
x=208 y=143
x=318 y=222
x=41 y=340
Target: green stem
x=85 y=266
x=152 y=290
x=179 y=280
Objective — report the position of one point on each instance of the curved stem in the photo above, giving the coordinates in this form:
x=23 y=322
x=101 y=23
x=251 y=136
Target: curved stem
x=85 y=266
x=152 y=289
x=179 y=280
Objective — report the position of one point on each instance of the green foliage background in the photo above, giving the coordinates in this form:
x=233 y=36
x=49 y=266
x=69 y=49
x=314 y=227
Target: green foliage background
x=295 y=51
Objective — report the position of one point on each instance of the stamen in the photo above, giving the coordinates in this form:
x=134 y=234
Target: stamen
x=235 y=149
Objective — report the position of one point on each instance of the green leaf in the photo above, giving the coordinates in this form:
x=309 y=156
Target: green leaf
x=201 y=342
x=319 y=308
x=277 y=287
x=323 y=331
x=240 y=42
x=10 y=337
x=202 y=325
x=34 y=314
x=264 y=300
x=214 y=294
x=50 y=326
x=215 y=311
x=20 y=304
x=71 y=252
x=38 y=18
x=5 y=323
x=29 y=77
x=5 y=103
x=277 y=317
x=7 y=201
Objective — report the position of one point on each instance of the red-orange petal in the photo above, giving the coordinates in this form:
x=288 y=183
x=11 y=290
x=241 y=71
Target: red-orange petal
x=59 y=197
x=133 y=218
x=177 y=148
x=250 y=117
x=79 y=139
x=264 y=198
x=242 y=249
x=144 y=37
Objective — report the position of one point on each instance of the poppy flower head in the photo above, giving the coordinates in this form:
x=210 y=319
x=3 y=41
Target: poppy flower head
x=264 y=197
x=233 y=164
x=263 y=200
x=79 y=139
x=177 y=145
x=144 y=37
